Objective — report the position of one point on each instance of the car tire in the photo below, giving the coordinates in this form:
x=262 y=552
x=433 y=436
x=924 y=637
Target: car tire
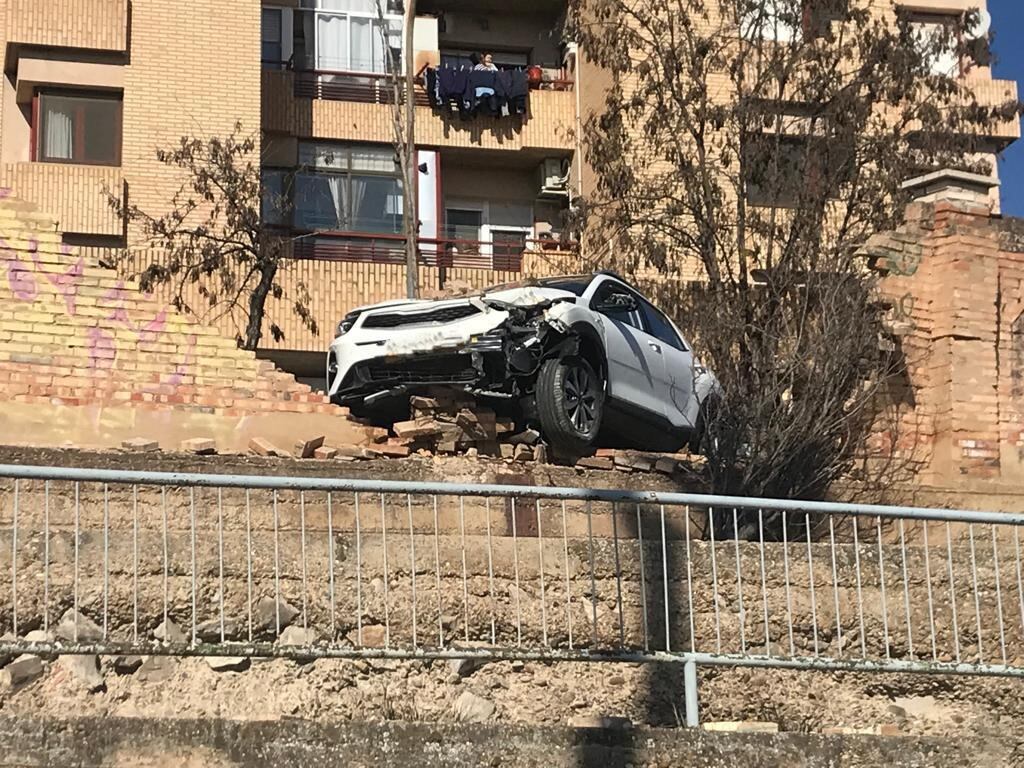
x=570 y=406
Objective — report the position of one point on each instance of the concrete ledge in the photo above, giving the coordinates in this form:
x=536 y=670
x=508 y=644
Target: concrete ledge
x=122 y=742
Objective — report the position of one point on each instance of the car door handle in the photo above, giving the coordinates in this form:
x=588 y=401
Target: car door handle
x=655 y=346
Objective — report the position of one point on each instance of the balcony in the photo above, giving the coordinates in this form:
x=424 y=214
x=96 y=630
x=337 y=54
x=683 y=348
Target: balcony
x=99 y=25
x=73 y=194
x=507 y=255
x=996 y=93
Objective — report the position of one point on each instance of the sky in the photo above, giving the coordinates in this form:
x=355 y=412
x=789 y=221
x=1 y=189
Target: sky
x=1008 y=23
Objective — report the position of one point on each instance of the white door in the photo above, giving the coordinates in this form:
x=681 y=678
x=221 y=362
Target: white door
x=636 y=367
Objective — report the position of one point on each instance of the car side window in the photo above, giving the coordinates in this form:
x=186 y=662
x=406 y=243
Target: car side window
x=616 y=302
x=660 y=327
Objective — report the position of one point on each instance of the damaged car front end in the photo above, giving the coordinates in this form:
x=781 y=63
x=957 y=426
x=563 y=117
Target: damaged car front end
x=485 y=345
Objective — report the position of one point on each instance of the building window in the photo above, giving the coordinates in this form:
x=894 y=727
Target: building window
x=272 y=38
x=73 y=128
x=348 y=188
x=779 y=169
x=784 y=21
x=940 y=35
x=349 y=36
x=275 y=190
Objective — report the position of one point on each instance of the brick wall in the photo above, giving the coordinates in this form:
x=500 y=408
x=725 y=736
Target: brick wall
x=954 y=275
x=75 y=335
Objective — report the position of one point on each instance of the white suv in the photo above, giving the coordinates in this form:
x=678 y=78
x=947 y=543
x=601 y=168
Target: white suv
x=584 y=358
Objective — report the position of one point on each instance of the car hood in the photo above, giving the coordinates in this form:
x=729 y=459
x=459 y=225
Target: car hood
x=527 y=296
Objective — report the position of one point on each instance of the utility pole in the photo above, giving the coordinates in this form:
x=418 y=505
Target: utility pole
x=410 y=215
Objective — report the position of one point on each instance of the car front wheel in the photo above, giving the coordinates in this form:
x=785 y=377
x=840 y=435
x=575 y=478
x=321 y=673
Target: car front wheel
x=570 y=404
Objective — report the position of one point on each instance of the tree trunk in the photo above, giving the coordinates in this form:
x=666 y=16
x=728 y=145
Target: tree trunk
x=257 y=306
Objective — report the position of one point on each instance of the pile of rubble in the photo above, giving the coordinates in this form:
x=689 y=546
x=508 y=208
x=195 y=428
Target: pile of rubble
x=450 y=422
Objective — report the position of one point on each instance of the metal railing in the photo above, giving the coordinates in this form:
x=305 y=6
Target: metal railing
x=428 y=570
x=496 y=254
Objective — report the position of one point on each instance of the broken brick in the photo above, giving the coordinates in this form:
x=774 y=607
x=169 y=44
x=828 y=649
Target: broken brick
x=507 y=451
x=605 y=453
x=471 y=426
x=141 y=444
x=394 y=451
x=325 y=452
x=666 y=465
x=523 y=453
x=424 y=403
x=504 y=426
x=416 y=428
x=201 y=446
x=595 y=462
x=526 y=437
x=447 y=446
x=263 y=447
x=540 y=454
x=306 y=449
x=637 y=461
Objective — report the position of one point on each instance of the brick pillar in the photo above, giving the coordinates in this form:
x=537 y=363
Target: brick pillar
x=958 y=289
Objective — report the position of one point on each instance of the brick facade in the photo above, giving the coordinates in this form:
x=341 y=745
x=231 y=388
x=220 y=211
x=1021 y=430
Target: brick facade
x=75 y=336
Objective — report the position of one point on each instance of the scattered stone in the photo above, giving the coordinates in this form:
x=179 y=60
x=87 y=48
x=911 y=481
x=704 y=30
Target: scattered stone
x=888 y=729
x=267 y=611
x=507 y=451
x=297 y=636
x=200 y=446
x=526 y=437
x=7 y=637
x=306 y=449
x=742 y=726
x=897 y=711
x=466 y=667
x=350 y=451
x=518 y=666
x=423 y=403
x=23 y=670
x=394 y=451
x=540 y=454
x=85 y=669
x=447 y=446
x=127 y=665
x=373 y=636
x=262 y=447
x=595 y=462
x=157 y=669
x=601 y=721
x=617 y=680
x=472 y=453
x=141 y=445
x=522 y=453
x=170 y=633
x=39 y=636
x=416 y=428
x=210 y=631
x=228 y=663
x=605 y=453
x=470 y=708
x=325 y=453
x=78 y=627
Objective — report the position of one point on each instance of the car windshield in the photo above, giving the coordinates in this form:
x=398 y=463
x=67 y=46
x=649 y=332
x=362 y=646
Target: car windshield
x=574 y=284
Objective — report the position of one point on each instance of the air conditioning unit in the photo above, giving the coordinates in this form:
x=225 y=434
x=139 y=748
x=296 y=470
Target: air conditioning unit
x=554 y=177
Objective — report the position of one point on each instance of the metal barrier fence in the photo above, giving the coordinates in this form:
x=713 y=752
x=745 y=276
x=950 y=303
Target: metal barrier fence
x=99 y=559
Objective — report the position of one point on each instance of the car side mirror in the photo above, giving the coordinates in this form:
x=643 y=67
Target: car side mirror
x=618 y=302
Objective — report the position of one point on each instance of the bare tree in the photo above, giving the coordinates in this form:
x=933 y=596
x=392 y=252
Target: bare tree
x=744 y=150
x=212 y=242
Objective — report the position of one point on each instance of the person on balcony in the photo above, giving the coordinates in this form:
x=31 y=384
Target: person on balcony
x=486 y=63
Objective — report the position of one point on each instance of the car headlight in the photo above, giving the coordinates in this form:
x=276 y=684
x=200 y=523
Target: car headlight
x=346 y=324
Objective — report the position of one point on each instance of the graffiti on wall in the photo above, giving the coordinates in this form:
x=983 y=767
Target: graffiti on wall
x=27 y=279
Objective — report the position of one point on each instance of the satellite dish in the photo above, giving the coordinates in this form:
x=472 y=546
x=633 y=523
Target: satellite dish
x=981 y=27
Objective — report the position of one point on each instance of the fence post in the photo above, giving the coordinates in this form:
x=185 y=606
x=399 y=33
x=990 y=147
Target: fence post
x=690 y=693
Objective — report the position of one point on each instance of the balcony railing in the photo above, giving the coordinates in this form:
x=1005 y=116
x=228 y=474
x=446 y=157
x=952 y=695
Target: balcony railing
x=499 y=254
x=373 y=87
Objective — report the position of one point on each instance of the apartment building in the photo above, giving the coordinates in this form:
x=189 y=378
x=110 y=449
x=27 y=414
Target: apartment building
x=92 y=88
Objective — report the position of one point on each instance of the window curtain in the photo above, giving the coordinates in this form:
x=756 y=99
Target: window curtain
x=59 y=133
x=337 y=187
x=331 y=43
x=359 y=186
